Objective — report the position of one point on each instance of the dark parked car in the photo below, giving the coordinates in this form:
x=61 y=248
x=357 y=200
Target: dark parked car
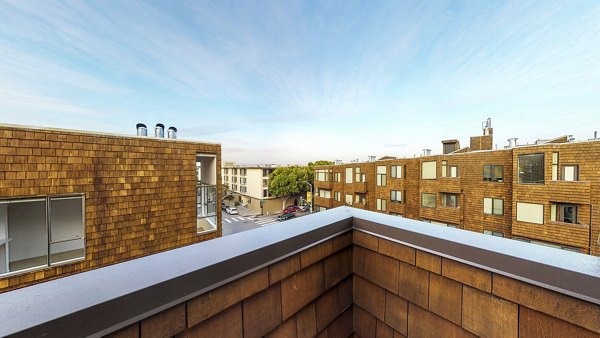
x=285 y=217
x=290 y=209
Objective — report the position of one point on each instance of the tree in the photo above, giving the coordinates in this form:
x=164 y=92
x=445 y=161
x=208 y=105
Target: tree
x=286 y=182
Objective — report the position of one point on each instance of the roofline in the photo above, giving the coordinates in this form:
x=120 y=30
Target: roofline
x=97 y=133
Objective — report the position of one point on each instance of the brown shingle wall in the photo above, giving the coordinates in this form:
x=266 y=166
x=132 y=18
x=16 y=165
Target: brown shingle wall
x=305 y=295
x=439 y=297
x=363 y=285
x=472 y=190
x=140 y=193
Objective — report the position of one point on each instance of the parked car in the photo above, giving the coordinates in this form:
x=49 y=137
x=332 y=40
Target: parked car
x=231 y=210
x=285 y=217
x=304 y=208
x=223 y=206
x=290 y=209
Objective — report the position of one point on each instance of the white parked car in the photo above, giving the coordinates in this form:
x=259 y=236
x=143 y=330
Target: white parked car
x=231 y=210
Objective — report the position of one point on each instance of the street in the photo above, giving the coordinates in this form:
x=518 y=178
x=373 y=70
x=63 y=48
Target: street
x=237 y=223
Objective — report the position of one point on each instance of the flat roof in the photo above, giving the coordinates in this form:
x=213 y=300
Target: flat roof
x=97 y=133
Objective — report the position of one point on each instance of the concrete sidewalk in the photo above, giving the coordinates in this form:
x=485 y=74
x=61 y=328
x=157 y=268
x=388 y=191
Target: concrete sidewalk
x=245 y=212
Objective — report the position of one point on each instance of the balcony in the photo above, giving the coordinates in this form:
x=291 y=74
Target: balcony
x=357 y=187
x=396 y=207
x=578 y=192
x=445 y=184
x=324 y=202
x=328 y=185
x=442 y=214
x=343 y=271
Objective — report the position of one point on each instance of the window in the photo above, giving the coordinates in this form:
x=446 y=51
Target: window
x=349 y=199
x=450 y=200
x=358 y=176
x=532 y=213
x=566 y=213
x=531 y=168
x=396 y=171
x=323 y=175
x=396 y=196
x=226 y=171
x=570 y=173
x=234 y=179
x=554 y=166
x=360 y=198
x=336 y=177
x=267 y=172
x=336 y=196
x=493 y=173
x=243 y=180
x=348 y=175
x=265 y=182
x=243 y=189
x=324 y=193
x=30 y=239
x=428 y=170
x=428 y=200
x=444 y=168
x=243 y=172
x=206 y=192
x=493 y=233
x=381 y=175
x=234 y=171
x=381 y=205
x=453 y=171
x=265 y=193
x=493 y=206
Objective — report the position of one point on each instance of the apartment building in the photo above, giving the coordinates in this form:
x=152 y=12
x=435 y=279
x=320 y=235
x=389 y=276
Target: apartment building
x=546 y=193
x=72 y=201
x=249 y=186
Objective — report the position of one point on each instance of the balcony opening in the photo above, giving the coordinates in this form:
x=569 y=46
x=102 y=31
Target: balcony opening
x=206 y=192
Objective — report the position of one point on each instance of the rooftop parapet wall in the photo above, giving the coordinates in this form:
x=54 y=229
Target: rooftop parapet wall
x=309 y=276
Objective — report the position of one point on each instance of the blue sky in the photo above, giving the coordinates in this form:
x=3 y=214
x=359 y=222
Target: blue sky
x=292 y=82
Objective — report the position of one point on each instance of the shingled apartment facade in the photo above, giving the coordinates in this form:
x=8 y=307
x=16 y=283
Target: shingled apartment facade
x=73 y=201
x=547 y=193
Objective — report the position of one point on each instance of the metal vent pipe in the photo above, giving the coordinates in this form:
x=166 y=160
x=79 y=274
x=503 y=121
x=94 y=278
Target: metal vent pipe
x=172 y=133
x=141 y=129
x=159 y=130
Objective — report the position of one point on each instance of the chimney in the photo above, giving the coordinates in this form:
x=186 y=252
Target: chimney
x=159 y=130
x=512 y=142
x=141 y=129
x=426 y=152
x=487 y=127
x=172 y=133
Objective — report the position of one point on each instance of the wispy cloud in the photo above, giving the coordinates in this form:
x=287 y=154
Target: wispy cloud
x=333 y=80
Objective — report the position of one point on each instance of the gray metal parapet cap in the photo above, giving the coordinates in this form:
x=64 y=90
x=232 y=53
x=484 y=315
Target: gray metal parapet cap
x=101 y=301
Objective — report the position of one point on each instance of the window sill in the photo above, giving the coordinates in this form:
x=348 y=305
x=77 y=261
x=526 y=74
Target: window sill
x=41 y=268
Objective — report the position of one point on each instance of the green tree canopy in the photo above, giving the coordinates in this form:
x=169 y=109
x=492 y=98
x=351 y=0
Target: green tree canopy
x=286 y=182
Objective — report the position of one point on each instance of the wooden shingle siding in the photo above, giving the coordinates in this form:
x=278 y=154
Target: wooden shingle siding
x=140 y=192
x=472 y=189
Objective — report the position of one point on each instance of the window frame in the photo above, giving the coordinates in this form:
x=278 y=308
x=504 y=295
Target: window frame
x=575 y=172
x=423 y=194
x=444 y=198
x=47 y=200
x=493 y=201
x=521 y=175
x=394 y=169
x=381 y=176
x=394 y=196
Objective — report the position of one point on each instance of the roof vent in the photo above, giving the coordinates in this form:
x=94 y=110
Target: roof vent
x=426 y=152
x=141 y=129
x=338 y=162
x=372 y=158
x=172 y=133
x=159 y=130
x=487 y=127
x=512 y=142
